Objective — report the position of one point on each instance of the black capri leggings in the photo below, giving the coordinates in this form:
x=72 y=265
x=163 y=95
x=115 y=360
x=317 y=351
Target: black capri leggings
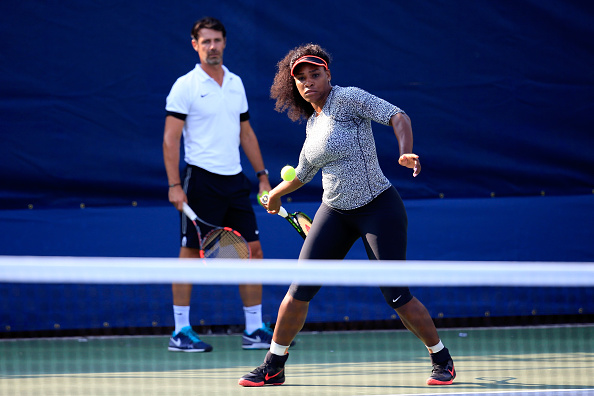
x=381 y=224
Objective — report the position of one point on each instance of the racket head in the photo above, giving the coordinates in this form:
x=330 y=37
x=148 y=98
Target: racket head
x=304 y=222
x=225 y=242
x=199 y=236
x=301 y=222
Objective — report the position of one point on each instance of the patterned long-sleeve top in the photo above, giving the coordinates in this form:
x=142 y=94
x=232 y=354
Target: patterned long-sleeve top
x=339 y=141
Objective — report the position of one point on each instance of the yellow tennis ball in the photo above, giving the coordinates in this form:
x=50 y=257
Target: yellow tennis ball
x=288 y=173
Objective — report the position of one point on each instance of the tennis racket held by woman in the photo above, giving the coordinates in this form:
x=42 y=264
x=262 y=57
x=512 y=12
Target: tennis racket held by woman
x=300 y=221
x=220 y=242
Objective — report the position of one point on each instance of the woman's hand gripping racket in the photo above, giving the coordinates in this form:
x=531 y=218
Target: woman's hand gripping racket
x=220 y=242
x=300 y=221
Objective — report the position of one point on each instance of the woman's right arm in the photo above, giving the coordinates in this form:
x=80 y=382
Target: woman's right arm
x=284 y=188
x=305 y=170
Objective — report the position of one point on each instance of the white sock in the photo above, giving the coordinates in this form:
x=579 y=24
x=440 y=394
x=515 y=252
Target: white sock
x=435 y=348
x=277 y=349
x=253 y=318
x=181 y=314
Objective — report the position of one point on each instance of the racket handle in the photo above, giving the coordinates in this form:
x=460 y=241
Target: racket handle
x=189 y=212
x=281 y=212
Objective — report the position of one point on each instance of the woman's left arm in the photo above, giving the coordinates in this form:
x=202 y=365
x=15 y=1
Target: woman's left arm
x=403 y=131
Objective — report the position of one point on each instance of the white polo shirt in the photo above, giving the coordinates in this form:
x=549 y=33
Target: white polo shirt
x=211 y=129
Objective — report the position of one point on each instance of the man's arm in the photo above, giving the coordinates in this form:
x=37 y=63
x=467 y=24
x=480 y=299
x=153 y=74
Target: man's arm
x=171 y=146
x=251 y=148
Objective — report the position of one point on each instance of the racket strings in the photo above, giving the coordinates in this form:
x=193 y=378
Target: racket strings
x=225 y=243
x=304 y=222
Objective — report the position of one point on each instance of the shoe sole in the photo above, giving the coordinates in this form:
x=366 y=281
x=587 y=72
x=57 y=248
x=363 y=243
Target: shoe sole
x=257 y=345
x=247 y=383
x=187 y=350
x=432 y=381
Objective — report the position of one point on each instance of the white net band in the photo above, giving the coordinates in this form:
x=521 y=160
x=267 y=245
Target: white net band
x=278 y=272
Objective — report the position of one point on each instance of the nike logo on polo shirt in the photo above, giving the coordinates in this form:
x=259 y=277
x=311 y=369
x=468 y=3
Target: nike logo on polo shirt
x=203 y=95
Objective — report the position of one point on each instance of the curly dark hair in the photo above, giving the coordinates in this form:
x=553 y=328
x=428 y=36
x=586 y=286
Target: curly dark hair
x=284 y=90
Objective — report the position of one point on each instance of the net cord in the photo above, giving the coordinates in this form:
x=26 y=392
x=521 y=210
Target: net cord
x=29 y=269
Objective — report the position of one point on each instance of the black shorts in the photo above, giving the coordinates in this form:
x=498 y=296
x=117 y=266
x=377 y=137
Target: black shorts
x=220 y=200
x=382 y=224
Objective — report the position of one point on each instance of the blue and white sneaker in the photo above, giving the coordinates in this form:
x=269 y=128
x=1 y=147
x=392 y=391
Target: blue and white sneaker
x=259 y=339
x=188 y=341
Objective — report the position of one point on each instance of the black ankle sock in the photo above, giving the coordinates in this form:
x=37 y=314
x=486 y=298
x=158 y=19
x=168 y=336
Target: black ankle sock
x=441 y=357
x=275 y=359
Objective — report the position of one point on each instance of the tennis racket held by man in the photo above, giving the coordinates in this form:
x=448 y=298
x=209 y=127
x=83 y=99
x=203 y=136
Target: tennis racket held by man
x=300 y=221
x=220 y=242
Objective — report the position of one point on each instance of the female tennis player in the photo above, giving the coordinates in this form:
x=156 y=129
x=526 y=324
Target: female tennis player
x=358 y=200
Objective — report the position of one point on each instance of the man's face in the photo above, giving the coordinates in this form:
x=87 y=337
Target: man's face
x=210 y=46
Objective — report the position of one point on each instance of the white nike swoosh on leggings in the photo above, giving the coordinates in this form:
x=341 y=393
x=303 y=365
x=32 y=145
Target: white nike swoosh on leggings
x=397 y=298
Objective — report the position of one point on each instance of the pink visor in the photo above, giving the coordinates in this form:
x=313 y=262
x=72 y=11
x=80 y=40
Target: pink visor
x=314 y=60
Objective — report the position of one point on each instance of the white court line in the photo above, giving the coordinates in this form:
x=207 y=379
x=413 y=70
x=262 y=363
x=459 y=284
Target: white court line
x=542 y=392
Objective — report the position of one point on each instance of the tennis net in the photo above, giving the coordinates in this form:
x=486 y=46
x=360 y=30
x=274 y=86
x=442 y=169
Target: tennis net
x=72 y=325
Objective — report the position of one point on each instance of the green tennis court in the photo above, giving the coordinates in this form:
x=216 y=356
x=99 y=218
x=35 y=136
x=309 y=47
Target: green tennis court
x=547 y=360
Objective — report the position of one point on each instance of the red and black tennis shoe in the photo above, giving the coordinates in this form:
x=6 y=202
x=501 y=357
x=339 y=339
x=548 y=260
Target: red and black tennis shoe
x=442 y=374
x=271 y=372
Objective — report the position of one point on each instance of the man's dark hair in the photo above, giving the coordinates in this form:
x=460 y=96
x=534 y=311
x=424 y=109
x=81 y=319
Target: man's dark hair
x=208 y=23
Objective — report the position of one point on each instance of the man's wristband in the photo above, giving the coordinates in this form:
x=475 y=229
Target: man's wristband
x=174 y=184
x=262 y=173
